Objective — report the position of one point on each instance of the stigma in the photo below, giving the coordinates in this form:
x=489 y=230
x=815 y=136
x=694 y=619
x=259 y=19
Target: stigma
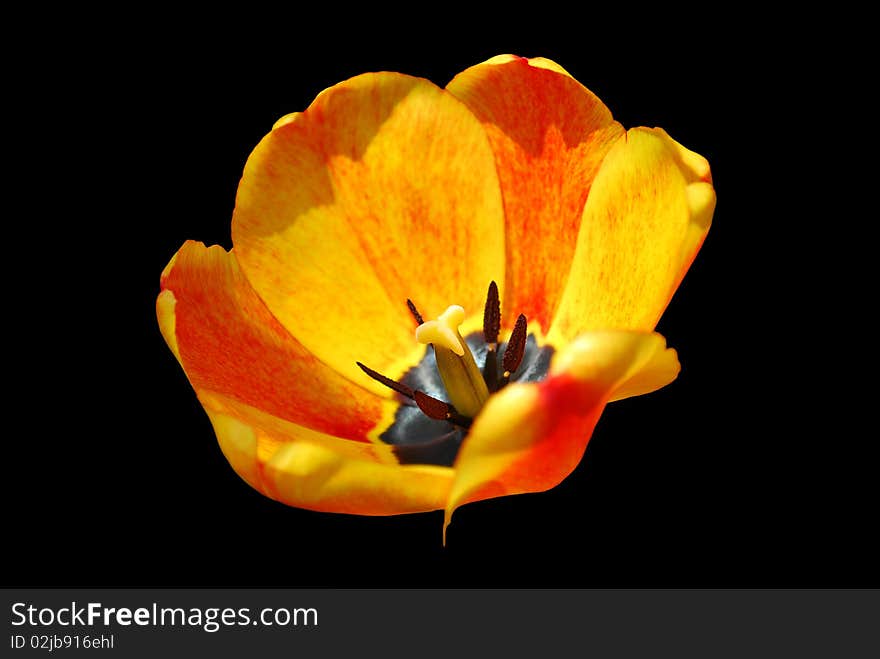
x=443 y=332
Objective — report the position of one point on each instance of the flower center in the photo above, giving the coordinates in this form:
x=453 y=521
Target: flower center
x=464 y=371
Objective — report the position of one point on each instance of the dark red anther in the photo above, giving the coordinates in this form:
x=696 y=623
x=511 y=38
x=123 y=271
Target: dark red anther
x=437 y=409
x=400 y=388
x=415 y=312
x=431 y=407
x=516 y=346
x=492 y=315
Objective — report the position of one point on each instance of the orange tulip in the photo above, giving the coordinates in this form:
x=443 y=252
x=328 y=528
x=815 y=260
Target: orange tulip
x=388 y=189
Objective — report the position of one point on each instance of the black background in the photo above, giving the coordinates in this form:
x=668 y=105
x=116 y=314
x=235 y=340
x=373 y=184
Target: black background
x=749 y=470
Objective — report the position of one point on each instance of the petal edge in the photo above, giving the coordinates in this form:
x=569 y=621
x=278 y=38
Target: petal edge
x=645 y=219
x=529 y=437
x=549 y=135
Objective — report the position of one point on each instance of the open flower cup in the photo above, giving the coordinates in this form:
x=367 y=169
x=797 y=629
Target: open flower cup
x=433 y=293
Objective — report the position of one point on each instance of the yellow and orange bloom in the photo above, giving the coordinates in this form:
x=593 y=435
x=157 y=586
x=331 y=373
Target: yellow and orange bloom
x=346 y=350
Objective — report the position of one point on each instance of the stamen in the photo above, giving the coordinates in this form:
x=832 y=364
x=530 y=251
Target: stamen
x=466 y=385
x=437 y=409
x=415 y=312
x=491 y=325
x=516 y=347
x=400 y=388
x=492 y=316
x=433 y=408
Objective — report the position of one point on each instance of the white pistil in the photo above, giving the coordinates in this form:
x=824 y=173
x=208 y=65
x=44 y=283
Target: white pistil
x=464 y=383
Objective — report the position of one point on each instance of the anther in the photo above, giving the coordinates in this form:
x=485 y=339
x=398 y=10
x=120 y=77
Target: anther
x=436 y=409
x=491 y=326
x=431 y=407
x=414 y=312
x=492 y=316
x=516 y=348
x=400 y=388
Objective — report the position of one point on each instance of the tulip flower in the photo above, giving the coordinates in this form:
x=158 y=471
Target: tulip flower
x=433 y=293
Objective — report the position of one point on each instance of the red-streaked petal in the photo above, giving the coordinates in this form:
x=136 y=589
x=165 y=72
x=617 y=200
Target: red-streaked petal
x=384 y=189
x=529 y=437
x=549 y=135
x=649 y=209
x=229 y=343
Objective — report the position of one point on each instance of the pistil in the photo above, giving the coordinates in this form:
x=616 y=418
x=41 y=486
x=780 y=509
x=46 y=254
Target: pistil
x=462 y=378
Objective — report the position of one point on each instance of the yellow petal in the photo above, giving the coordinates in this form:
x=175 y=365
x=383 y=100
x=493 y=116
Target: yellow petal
x=310 y=476
x=660 y=370
x=529 y=437
x=307 y=469
x=647 y=214
x=700 y=197
x=383 y=189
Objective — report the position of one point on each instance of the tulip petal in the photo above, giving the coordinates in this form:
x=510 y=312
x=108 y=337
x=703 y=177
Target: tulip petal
x=384 y=189
x=549 y=135
x=303 y=468
x=229 y=343
x=647 y=215
x=310 y=476
x=662 y=369
x=529 y=437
